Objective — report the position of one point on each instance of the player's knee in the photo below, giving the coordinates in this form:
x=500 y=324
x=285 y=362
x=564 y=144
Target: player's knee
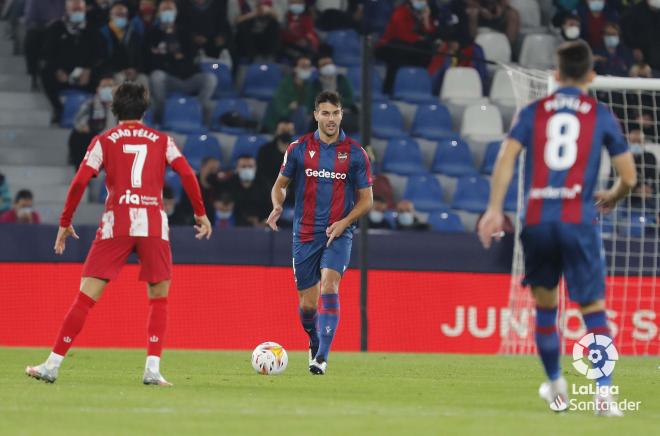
x=592 y=306
x=329 y=285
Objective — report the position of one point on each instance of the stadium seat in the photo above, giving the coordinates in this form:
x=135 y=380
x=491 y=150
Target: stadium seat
x=632 y=223
x=379 y=13
x=230 y=105
x=346 y=47
x=261 y=80
x=453 y=158
x=471 y=194
x=432 y=121
x=225 y=87
x=173 y=180
x=425 y=192
x=502 y=95
x=445 y=221
x=413 y=85
x=461 y=83
x=490 y=156
x=482 y=120
x=354 y=76
x=182 y=115
x=538 y=51
x=246 y=145
x=403 y=156
x=530 y=14
x=197 y=147
x=387 y=121
x=72 y=102
x=496 y=46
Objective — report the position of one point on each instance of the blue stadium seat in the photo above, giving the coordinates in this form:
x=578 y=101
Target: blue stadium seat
x=225 y=86
x=182 y=115
x=261 y=80
x=432 y=121
x=354 y=76
x=103 y=191
x=346 y=47
x=379 y=13
x=246 y=145
x=173 y=180
x=413 y=85
x=445 y=221
x=197 y=147
x=229 y=105
x=453 y=158
x=425 y=192
x=490 y=156
x=148 y=119
x=471 y=194
x=72 y=101
x=403 y=156
x=387 y=121
x=633 y=224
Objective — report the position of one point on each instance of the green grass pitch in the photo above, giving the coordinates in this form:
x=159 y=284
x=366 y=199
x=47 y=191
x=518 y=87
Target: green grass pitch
x=100 y=392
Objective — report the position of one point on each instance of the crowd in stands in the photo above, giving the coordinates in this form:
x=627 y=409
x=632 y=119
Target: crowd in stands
x=190 y=52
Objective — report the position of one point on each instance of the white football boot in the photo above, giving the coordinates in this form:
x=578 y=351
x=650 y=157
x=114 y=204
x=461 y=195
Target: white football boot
x=555 y=393
x=318 y=368
x=606 y=405
x=41 y=372
x=154 y=378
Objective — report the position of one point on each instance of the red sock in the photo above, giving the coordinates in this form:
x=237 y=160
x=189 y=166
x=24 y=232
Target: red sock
x=156 y=326
x=73 y=323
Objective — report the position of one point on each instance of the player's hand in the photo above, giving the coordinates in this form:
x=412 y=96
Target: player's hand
x=62 y=234
x=605 y=202
x=491 y=226
x=203 y=227
x=273 y=217
x=335 y=230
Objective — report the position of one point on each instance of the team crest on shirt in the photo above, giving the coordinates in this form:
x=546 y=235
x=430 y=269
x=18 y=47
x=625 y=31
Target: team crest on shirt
x=342 y=156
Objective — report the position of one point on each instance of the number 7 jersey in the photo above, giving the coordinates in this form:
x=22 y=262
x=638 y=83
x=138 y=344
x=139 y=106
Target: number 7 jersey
x=134 y=158
x=563 y=135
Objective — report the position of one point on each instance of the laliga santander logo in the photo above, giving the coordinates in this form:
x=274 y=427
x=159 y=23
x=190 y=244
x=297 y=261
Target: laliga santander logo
x=601 y=353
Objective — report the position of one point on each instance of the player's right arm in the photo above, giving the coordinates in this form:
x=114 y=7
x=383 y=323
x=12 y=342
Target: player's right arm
x=278 y=193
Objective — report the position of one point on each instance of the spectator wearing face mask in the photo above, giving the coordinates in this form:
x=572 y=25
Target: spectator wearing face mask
x=406 y=218
x=144 y=20
x=22 y=211
x=121 y=47
x=377 y=219
x=251 y=195
x=594 y=15
x=641 y=32
x=298 y=34
x=570 y=28
x=171 y=62
x=271 y=154
x=93 y=117
x=224 y=211
x=206 y=20
x=292 y=97
x=257 y=28
x=643 y=194
x=69 y=53
x=614 y=58
x=209 y=177
x=5 y=196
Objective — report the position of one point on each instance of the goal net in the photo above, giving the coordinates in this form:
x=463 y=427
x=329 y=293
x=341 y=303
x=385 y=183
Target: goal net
x=630 y=232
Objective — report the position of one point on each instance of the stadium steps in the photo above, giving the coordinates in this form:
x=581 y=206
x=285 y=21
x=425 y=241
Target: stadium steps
x=39 y=138
x=14 y=65
x=87 y=213
x=13 y=82
x=58 y=175
x=55 y=155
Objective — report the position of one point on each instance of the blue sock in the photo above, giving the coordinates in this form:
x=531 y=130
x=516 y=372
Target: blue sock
x=308 y=319
x=328 y=320
x=597 y=324
x=547 y=341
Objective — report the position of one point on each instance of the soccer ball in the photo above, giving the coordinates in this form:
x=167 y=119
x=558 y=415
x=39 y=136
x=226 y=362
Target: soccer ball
x=269 y=358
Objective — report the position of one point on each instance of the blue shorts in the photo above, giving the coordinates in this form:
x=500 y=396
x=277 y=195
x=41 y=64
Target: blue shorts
x=310 y=257
x=574 y=250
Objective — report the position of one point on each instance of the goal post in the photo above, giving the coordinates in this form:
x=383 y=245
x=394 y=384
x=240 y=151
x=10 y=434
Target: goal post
x=630 y=233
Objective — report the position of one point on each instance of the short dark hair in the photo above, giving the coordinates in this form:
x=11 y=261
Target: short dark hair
x=574 y=60
x=331 y=97
x=130 y=101
x=23 y=194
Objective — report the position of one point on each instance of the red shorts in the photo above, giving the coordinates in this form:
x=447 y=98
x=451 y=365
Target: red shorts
x=108 y=256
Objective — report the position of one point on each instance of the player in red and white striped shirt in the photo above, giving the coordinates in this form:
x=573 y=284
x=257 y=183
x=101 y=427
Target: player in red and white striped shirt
x=134 y=158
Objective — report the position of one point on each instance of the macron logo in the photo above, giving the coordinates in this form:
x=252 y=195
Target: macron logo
x=324 y=174
x=67 y=339
x=129 y=198
x=311 y=154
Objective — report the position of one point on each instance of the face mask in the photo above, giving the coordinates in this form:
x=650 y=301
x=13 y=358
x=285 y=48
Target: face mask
x=376 y=216
x=168 y=17
x=120 y=22
x=24 y=211
x=406 y=219
x=636 y=148
x=611 y=41
x=223 y=214
x=597 y=6
x=654 y=4
x=419 y=6
x=572 y=32
x=247 y=174
x=297 y=8
x=328 y=70
x=303 y=74
x=105 y=93
x=284 y=138
x=77 y=17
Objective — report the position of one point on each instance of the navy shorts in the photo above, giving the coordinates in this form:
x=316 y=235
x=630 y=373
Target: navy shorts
x=574 y=250
x=310 y=257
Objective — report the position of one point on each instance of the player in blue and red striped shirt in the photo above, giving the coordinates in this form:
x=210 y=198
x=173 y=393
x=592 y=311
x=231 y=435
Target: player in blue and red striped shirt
x=563 y=135
x=331 y=177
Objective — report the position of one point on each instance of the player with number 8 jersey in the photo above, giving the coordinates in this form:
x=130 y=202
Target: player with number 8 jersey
x=134 y=158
